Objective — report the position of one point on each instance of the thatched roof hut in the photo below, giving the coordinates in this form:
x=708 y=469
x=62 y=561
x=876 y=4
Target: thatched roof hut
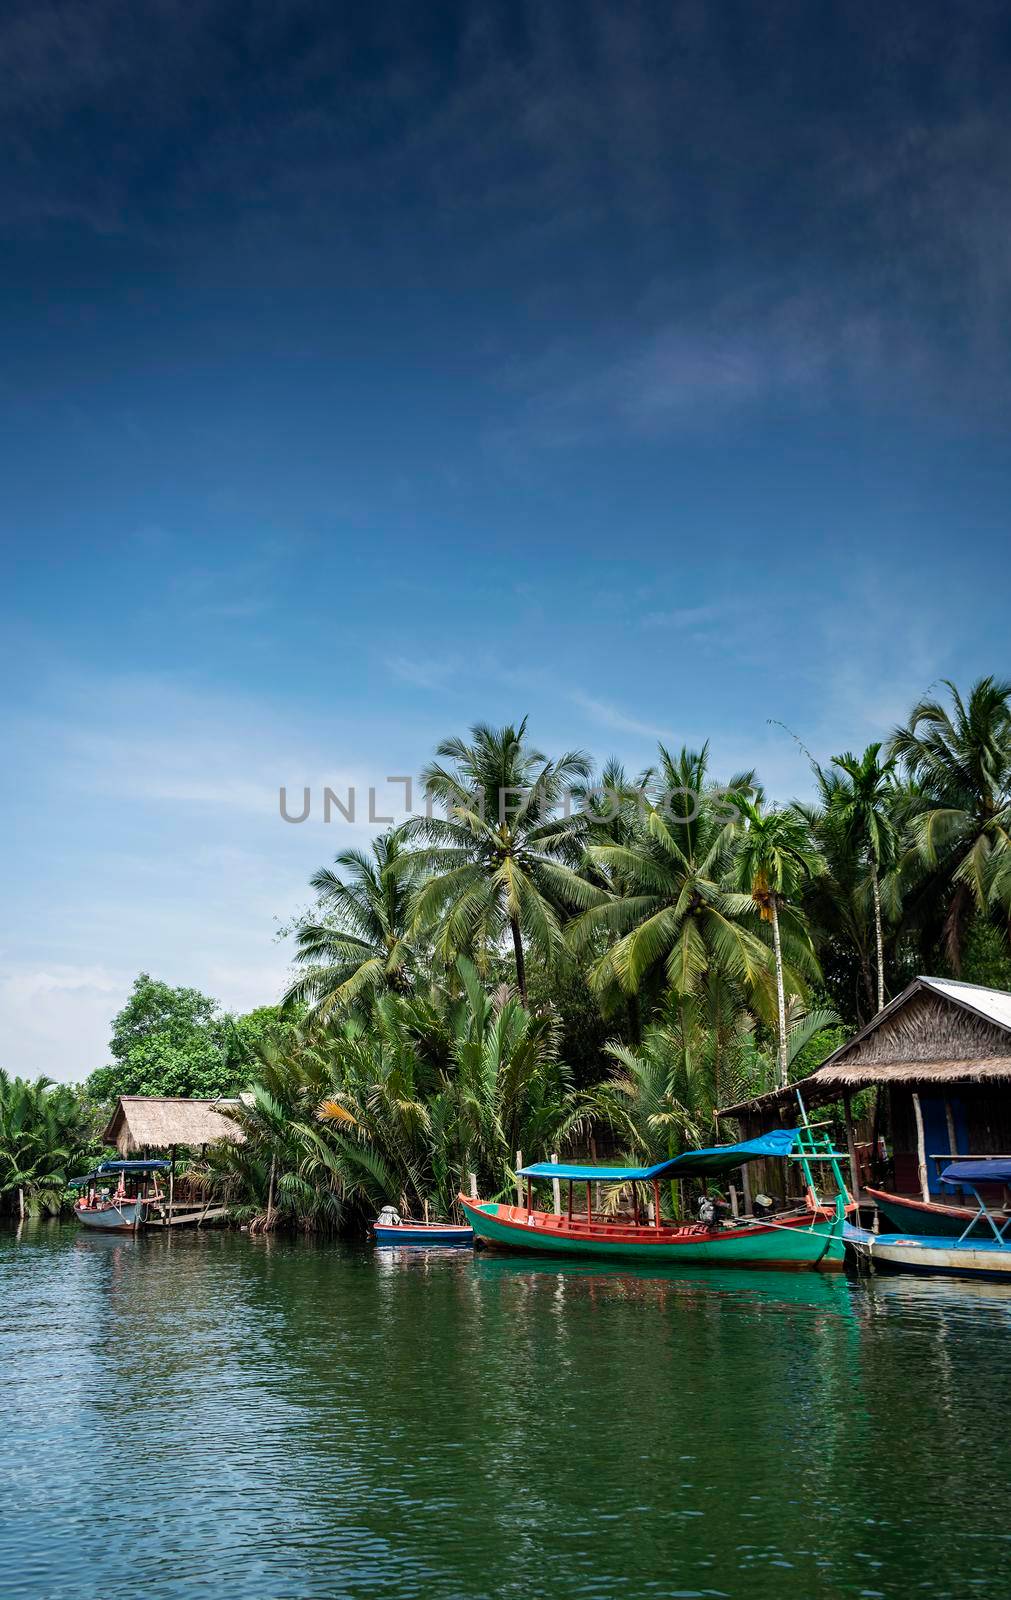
x=147 y=1122
x=940 y=1058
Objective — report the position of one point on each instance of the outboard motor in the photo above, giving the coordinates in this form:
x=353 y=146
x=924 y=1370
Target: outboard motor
x=389 y=1217
x=761 y=1206
x=713 y=1210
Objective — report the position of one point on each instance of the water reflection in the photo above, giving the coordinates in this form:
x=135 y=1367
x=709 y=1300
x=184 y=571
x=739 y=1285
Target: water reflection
x=281 y=1417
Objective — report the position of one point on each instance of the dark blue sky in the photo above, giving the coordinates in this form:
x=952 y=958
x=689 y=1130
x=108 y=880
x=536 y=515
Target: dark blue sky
x=369 y=370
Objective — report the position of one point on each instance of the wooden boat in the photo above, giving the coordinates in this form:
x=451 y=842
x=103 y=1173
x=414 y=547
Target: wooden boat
x=932 y=1218
x=114 y=1210
x=943 y=1255
x=391 y=1228
x=800 y=1239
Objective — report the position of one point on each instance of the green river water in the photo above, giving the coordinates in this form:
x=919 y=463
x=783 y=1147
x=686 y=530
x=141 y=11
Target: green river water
x=215 y=1415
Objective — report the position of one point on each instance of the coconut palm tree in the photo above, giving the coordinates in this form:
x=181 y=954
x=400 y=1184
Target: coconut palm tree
x=776 y=854
x=357 y=940
x=864 y=804
x=960 y=760
x=502 y=861
x=670 y=911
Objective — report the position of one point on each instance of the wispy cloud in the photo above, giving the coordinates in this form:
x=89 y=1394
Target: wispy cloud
x=684 y=617
x=427 y=673
x=611 y=716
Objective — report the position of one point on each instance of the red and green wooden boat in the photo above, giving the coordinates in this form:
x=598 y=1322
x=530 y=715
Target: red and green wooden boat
x=807 y=1238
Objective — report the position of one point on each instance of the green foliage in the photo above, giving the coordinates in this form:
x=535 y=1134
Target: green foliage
x=168 y=1041
x=501 y=862
x=358 y=940
x=43 y=1136
x=986 y=958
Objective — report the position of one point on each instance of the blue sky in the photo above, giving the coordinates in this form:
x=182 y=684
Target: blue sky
x=640 y=369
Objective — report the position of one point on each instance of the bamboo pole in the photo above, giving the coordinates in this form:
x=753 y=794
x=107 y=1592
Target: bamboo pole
x=556 y=1188
x=921 y=1150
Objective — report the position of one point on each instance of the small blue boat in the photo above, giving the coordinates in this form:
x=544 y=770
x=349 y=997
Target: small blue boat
x=390 y=1228
x=941 y=1255
x=114 y=1210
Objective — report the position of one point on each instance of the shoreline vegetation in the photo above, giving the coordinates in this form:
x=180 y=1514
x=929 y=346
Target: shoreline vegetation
x=466 y=987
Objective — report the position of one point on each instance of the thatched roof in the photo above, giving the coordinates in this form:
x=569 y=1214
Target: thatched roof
x=936 y=1031
x=146 y=1122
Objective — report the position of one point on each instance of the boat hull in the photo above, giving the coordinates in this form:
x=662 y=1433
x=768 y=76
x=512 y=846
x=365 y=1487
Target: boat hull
x=424 y=1233
x=804 y=1243
x=124 y=1217
x=935 y=1221
x=941 y=1256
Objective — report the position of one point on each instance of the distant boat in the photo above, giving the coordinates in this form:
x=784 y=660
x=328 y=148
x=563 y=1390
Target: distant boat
x=390 y=1228
x=114 y=1210
x=805 y=1239
x=941 y=1254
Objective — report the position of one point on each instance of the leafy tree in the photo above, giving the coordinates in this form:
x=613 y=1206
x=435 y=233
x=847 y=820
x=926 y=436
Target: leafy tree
x=501 y=862
x=775 y=856
x=358 y=940
x=166 y=1041
x=960 y=761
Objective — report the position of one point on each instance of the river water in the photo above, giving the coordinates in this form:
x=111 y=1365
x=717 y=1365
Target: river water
x=265 y=1419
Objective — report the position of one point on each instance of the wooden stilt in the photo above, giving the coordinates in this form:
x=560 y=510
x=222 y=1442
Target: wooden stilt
x=556 y=1189
x=952 y=1136
x=921 y=1150
x=851 y=1144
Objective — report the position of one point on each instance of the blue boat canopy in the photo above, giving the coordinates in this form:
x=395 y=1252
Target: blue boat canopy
x=108 y=1168
x=691 y=1164
x=981 y=1171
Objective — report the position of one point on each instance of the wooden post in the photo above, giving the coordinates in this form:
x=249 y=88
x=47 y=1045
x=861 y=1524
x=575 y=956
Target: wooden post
x=425 y=1206
x=570 y=1200
x=746 y=1187
x=473 y=1185
x=952 y=1137
x=556 y=1188
x=589 y=1207
x=851 y=1144
x=530 y=1194
x=270 y=1197
x=519 y=1180
x=734 y=1212
x=635 y=1206
x=171 y=1185
x=656 y=1202
x=921 y=1150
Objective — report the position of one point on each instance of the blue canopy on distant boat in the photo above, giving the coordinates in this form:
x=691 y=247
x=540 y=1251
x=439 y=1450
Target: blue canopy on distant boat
x=980 y=1171
x=108 y=1168
x=691 y=1164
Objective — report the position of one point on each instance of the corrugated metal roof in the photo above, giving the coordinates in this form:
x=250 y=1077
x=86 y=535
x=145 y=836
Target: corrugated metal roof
x=995 y=1004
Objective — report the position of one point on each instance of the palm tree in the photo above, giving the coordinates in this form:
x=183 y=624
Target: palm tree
x=864 y=805
x=511 y=871
x=357 y=940
x=670 y=906
x=40 y=1134
x=961 y=761
x=775 y=856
